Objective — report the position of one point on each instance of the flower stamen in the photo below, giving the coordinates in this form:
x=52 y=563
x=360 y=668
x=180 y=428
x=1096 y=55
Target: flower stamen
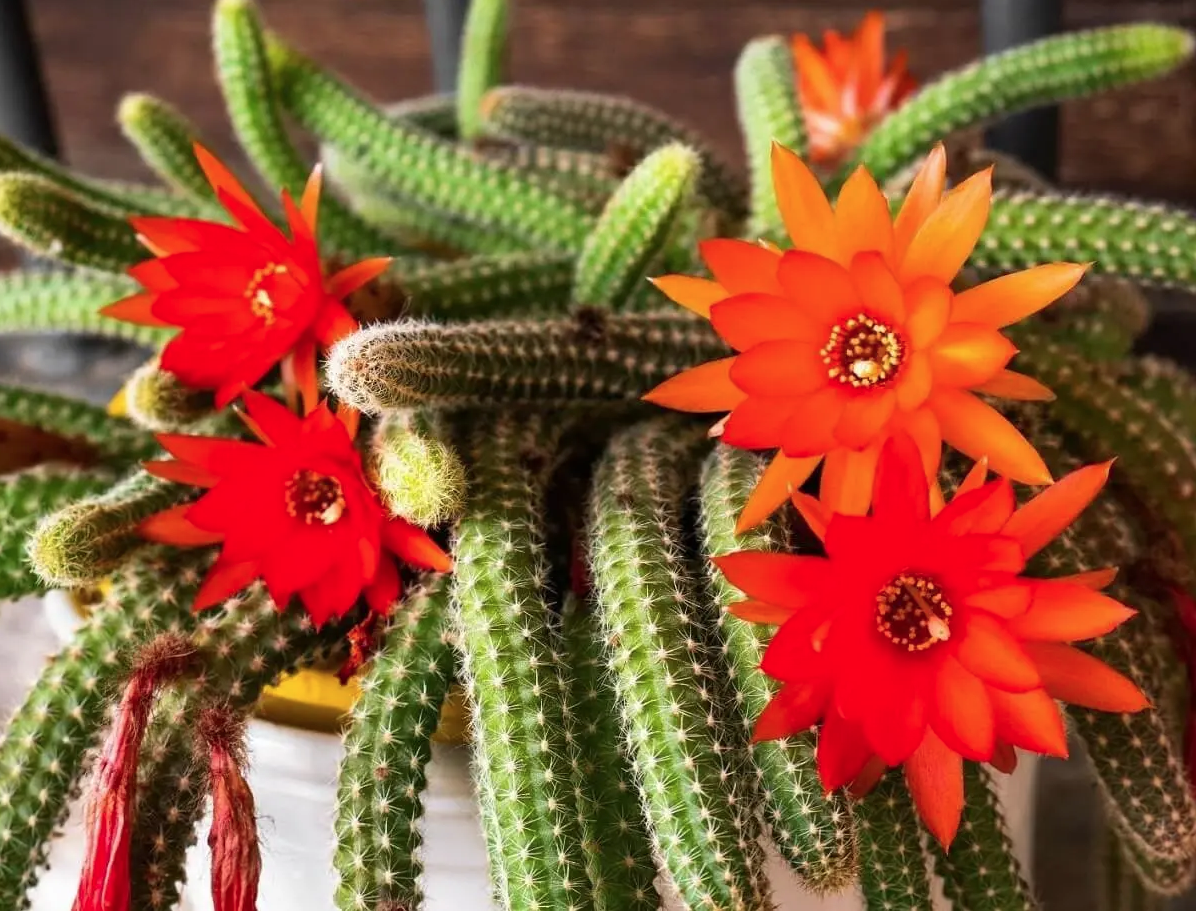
x=911 y=612
x=863 y=352
x=260 y=302
x=314 y=497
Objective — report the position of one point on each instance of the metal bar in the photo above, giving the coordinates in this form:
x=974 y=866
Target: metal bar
x=25 y=114
x=446 y=21
x=1033 y=136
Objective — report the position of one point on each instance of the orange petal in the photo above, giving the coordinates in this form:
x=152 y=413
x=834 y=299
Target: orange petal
x=333 y=323
x=782 y=476
x=780 y=367
x=816 y=79
x=993 y=655
x=349 y=279
x=922 y=199
x=760 y=612
x=820 y=286
x=807 y=214
x=757 y=423
x=1011 y=298
x=879 y=293
x=847 y=480
x=1008 y=384
x=180 y=472
x=815 y=514
x=741 y=267
x=1095 y=579
x=704 y=388
x=810 y=427
x=222 y=179
x=869 y=41
x=949 y=234
x=299 y=374
x=746 y=320
x=1078 y=678
x=309 y=203
x=967 y=354
x=1065 y=612
x=784 y=579
x=413 y=546
x=974 y=479
x=928 y=301
x=934 y=774
x=914 y=382
x=1006 y=601
x=923 y=426
x=137 y=309
x=1042 y=519
x=979 y=430
x=692 y=293
x=864 y=418
x=1029 y=720
x=961 y=712
x=171 y=526
x=862 y=215
x=350 y=417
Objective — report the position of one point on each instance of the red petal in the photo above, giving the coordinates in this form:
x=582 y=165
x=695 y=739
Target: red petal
x=791 y=654
x=299 y=371
x=1004 y=758
x=809 y=429
x=137 y=309
x=1065 y=612
x=704 y=388
x=309 y=204
x=813 y=511
x=1004 y=601
x=793 y=710
x=878 y=290
x=993 y=655
x=271 y=421
x=1029 y=720
x=983 y=511
x=222 y=582
x=1076 y=677
x=781 y=367
x=218 y=456
x=782 y=477
x=820 y=286
x=180 y=473
x=865 y=418
x=1095 y=579
x=333 y=323
x=901 y=491
x=784 y=579
x=757 y=422
x=382 y=593
x=333 y=596
x=413 y=546
x=896 y=720
x=741 y=267
x=935 y=778
x=760 y=612
x=847 y=480
x=1042 y=519
x=349 y=279
x=962 y=713
x=748 y=319
x=842 y=752
x=171 y=526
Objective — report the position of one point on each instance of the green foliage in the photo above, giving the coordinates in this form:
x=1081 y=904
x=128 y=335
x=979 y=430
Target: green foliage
x=892 y=869
x=166 y=140
x=512 y=284
x=69 y=301
x=483 y=60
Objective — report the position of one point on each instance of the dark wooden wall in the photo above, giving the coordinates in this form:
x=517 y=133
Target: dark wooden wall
x=677 y=54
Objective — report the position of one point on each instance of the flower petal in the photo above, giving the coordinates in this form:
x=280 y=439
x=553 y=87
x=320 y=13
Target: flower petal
x=1045 y=517
x=915 y=381
x=796 y=708
x=862 y=217
x=847 y=480
x=704 y=388
x=810 y=427
x=746 y=320
x=1029 y=720
x=901 y=491
x=993 y=655
x=821 y=287
x=782 y=476
x=815 y=514
x=923 y=198
x=171 y=526
x=1011 y=298
x=983 y=511
x=180 y=472
x=934 y=775
x=1080 y=679
x=809 y=219
x=692 y=293
x=758 y=422
x=842 y=751
x=967 y=354
x=740 y=266
x=961 y=713
x=923 y=426
x=223 y=581
x=878 y=291
x=1095 y=579
x=780 y=368
x=789 y=580
x=413 y=546
x=1008 y=384
x=1004 y=601
x=760 y=612
x=928 y=303
x=274 y=424
x=949 y=234
x=137 y=309
x=350 y=278
x=865 y=418
x=792 y=653
x=1065 y=612
x=896 y=720
x=978 y=430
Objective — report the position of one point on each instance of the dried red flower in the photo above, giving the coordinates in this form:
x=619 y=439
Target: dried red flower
x=233 y=840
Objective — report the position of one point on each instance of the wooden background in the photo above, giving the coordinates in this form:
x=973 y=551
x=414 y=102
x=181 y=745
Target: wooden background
x=677 y=54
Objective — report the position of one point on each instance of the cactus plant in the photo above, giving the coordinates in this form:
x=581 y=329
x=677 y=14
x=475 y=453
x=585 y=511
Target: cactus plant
x=487 y=388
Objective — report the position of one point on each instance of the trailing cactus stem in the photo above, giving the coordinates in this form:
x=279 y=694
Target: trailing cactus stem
x=511 y=285
x=1047 y=71
x=69 y=302
x=166 y=140
x=893 y=873
x=418 y=475
x=701 y=807
x=483 y=59
x=593 y=357
x=635 y=227
x=158 y=401
x=813 y=831
x=521 y=767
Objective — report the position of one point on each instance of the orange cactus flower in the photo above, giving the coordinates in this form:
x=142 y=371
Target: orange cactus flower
x=845 y=89
x=855 y=334
x=245 y=297
x=917 y=641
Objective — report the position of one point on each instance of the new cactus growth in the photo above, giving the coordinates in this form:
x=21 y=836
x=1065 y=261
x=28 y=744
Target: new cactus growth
x=640 y=730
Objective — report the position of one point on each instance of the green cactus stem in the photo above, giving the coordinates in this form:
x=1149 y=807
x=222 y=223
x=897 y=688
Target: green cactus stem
x=253 y=107
x=436 y=113
x=521 y=767
x=635 y=227
x=703 y=815
x=417 y=474
x=83 y=543
x=47 y=220
x=382 y=779
x=607 y=125
x=589 y=178
x=594 y=356
x=769 y=111
x=166 y=139
x=63 y=301
x=814 y=832
x=483 y=61
x=1044 y=72
x=1101 y=318
x=513 y=284
x=893 y=873
x=423 y=169
x=114 y=442
x=158 y=401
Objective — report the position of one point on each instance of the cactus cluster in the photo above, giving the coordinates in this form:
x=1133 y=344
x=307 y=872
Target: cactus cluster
x=499 y=367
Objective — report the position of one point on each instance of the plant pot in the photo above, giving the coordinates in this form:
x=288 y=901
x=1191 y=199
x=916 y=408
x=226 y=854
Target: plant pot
x=293 y=773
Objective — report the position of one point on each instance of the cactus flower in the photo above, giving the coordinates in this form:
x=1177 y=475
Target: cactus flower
x=232 y=839
x=917 y=641
x=245 y=297
x=855 y=334
x=294 y=509
x=846 y=89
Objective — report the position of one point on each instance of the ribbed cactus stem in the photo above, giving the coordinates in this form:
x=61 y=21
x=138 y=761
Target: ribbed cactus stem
x=416 y=471
x=510 y=285
x=39 y=215
x=423 y=169
x=521 y=765
x=436 y=113
x=483 y=60
x=769 y=111
x=1063 y=66
x=604 y=124
x=1101 y=318
x=256 y=114
x=166 y=139
x=893 y=873
x=594 y=356
x=383 y=776
x=814 y=831
x=589 y=178
x=84 y=542
x=667 y=676
x=980 y=872
x=69 y=302
x=158 y=401
x=635 y=227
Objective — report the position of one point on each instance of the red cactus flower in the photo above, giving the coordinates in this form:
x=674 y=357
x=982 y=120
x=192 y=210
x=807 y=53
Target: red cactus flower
x=295 y=510
x=233 y=840
x=245 y=297
x=917 y=640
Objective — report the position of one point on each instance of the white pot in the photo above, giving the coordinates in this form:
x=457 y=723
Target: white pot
x=293 y=774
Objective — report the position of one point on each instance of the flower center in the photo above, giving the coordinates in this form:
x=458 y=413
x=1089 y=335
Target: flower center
x=912 y=613
x=260 y=302
x=863 y=352
x=315 y=497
